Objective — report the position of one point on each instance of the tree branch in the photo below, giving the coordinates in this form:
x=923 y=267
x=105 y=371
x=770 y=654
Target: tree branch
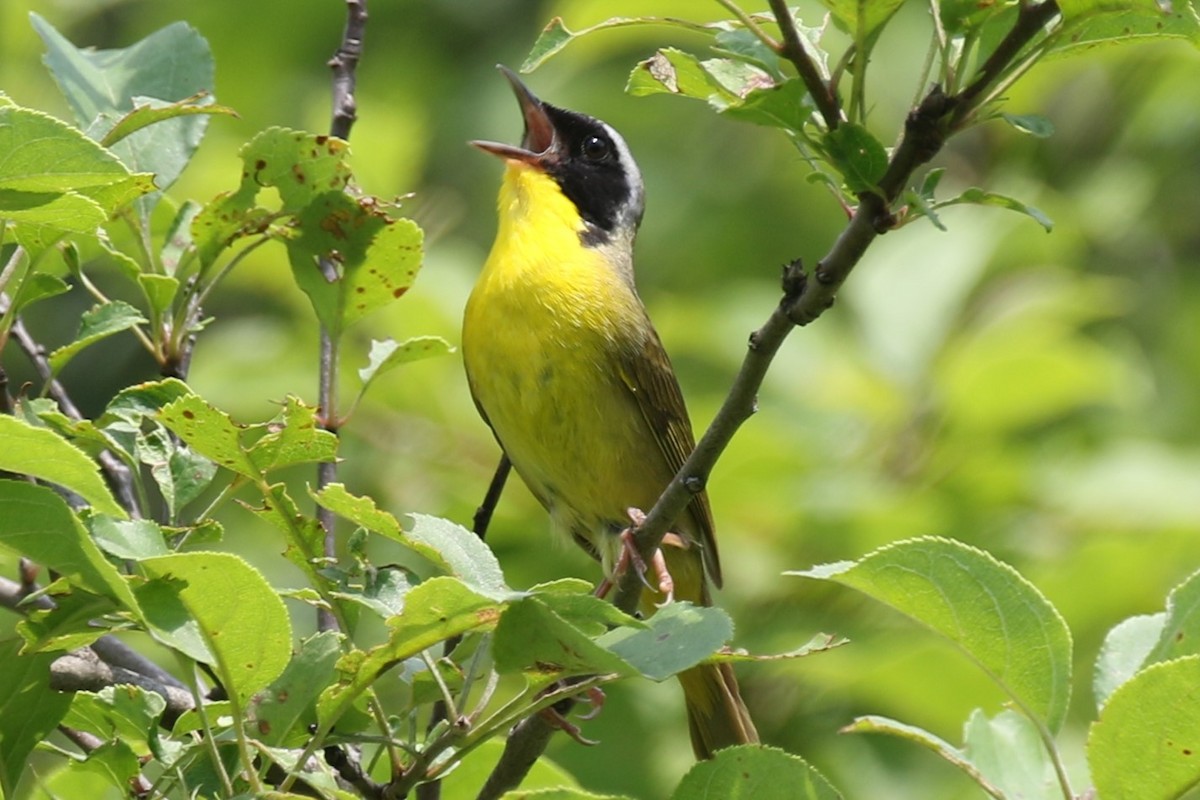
x=1031 y=19
x=84 y=671
x=793 y=50
x=344 y=64
x=803 y=300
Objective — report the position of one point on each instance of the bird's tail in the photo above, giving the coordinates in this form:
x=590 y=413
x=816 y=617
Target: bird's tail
x=717 y=717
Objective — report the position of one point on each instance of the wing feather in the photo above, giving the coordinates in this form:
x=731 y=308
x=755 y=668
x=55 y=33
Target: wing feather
x=646 y=371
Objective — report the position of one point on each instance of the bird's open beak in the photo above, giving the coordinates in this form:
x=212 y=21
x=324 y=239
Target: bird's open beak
x=537 y=145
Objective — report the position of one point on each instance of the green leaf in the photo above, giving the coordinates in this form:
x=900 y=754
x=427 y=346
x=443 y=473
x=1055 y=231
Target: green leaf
x=553 y=38
x=451 y=548
x=69 y=625
x=991 y=613
x=857 y=155
x=922 y=737
x=125 y=418
x=123 y=712
x=112 y=764
x=296 y=438
x=153 y=110
x=382 y=592
x=183 y=477
x=753 y=772
x=1094 y=23
x=1125 y=650
x=1139 y=641
x=378 y=257
x=25 y=695
x=575 y=601
x=128 y=539
x=977 y=196
x=37 y=287
x=1181 y=628
x=673 y=71
x=1034 y=124
x=43 y=454
x=102 y=321
x=302 y=166
x=159 y=290
x=37 y=523
x=46 y=155
x=281 y=713
x=787 y=105
x=556 y=35
x=678 y=636
x=1145 y=744
x=210 y=432
x=104 y=86
x=240 y=617
x=862 y=19
x=559 y=793
x=466 y=781
x=178 y=240
x=387 y=354
x=463 y=554
x=54 y=180
x=434 y=611
x=1011 y=756
x=532 y=639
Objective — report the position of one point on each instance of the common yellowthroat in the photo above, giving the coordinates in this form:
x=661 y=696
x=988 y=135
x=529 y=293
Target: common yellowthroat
x=568 y=371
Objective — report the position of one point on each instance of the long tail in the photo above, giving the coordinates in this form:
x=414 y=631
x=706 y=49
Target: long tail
x=717 y=717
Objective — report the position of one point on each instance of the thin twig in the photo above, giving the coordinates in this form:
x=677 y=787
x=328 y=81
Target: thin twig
x=1031 y=19
x=793 y=50
x=344 y=64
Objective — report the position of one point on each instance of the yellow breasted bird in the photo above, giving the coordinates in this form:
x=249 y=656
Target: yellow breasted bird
x=568 y=371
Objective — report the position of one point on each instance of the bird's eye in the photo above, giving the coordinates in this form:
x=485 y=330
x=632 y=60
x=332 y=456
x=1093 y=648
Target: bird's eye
x=596 y=149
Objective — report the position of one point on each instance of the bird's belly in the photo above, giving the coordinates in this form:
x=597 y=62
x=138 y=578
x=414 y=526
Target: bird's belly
x=553 y=395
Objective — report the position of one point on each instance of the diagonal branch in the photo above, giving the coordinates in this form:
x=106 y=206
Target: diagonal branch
x=803 y=300
x=793 y=50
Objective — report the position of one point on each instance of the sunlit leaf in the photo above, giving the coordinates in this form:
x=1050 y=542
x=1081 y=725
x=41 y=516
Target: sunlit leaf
x=37 y=523
x=100 y=322
x=995 y=616
x=241 y=618
x=103 y=86
x=387 y=354
x=41 y=453
x=752 y=771
x=678 y=636
x=1145 y=744
x=210 y=432
x=1093 y=23
x=282 y=712
x=436 y=610
x=25 y=695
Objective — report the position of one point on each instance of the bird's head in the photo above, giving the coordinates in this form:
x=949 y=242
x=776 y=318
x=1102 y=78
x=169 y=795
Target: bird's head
x=587 y=158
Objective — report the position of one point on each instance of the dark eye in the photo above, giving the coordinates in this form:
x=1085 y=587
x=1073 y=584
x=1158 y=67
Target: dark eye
x=596 y=148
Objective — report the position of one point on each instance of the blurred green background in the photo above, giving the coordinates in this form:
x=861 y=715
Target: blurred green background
x=1033 y=394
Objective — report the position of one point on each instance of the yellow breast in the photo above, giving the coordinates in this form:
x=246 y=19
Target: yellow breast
x=543 y=335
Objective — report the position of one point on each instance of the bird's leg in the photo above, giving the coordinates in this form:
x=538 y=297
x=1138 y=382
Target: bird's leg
x=556 y=715
x=629 y=553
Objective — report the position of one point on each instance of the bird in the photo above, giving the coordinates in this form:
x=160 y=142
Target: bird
x=567 y=369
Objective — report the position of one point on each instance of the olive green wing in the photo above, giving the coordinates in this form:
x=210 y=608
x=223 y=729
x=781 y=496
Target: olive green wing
x=646 y=371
